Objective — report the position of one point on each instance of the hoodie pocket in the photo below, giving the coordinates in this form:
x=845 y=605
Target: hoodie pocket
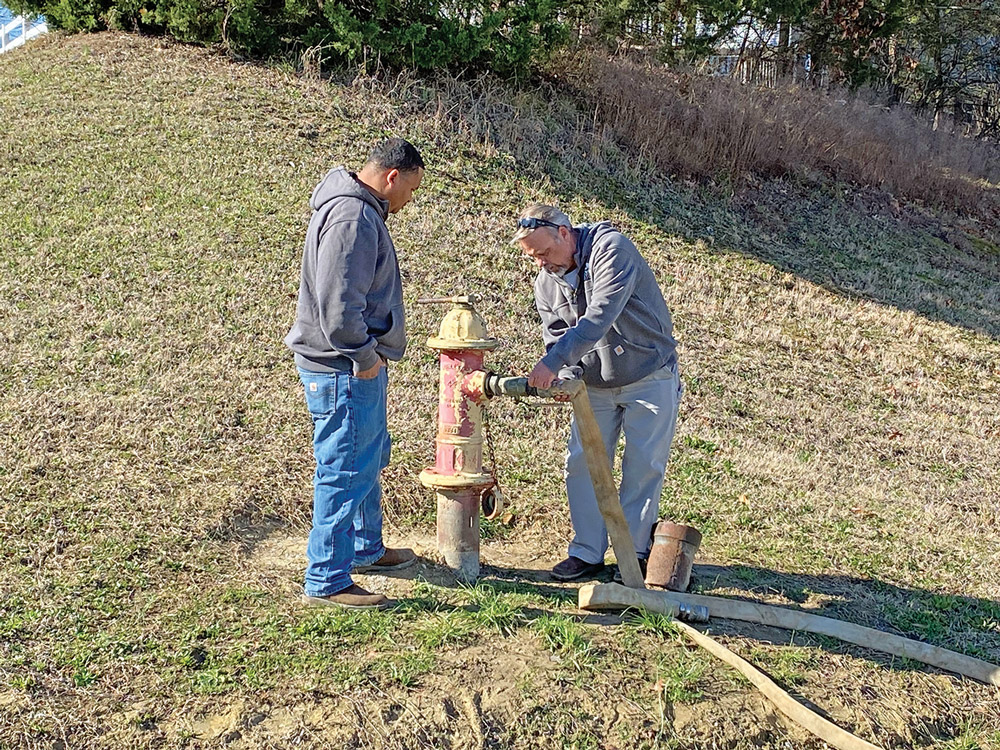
x=617 y=360
x=394 y=337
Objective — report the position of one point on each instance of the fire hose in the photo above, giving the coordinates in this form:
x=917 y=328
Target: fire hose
x=460 y=482
x=697 y=608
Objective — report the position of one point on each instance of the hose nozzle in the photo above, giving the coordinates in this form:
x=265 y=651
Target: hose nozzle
x=518 y=387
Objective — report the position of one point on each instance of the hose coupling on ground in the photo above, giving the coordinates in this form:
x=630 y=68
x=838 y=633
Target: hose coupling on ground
x=692 y=612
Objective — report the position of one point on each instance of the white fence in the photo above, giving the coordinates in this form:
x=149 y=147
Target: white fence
x=764 y=71
x=18 y=31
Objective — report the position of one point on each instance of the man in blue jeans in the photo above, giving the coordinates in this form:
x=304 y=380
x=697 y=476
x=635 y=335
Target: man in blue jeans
x=349 y=324
x=604 y=320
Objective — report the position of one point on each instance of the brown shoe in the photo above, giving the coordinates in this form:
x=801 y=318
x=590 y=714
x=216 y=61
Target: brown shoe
x=353 y=597
x=394 y=559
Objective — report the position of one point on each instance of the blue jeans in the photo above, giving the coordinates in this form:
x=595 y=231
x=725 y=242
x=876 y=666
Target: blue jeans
x=351 y=445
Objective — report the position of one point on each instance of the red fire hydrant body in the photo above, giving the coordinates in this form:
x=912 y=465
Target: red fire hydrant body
x=457 y=475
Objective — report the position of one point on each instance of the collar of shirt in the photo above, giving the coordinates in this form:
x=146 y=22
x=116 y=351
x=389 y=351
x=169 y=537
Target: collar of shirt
x=569 y=278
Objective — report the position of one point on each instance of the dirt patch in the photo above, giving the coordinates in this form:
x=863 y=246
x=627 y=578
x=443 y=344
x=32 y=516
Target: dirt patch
x=284 y=554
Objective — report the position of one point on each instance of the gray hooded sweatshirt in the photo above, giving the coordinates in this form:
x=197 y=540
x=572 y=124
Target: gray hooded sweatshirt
x=609 y=319
x=350 y=309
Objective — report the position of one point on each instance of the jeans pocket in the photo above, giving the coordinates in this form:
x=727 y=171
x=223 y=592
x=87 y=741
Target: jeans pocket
x=366 y=389
x=320 y=391
x=368 y=394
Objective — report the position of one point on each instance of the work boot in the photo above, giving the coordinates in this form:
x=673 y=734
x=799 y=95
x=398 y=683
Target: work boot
x=353 y=597
x=395 y=558
x=573 y=568
x=618 y=570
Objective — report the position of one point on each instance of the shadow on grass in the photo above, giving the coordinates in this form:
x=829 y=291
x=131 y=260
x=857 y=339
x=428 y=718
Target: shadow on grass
x=525 y=614
x=500 y=581
x=968 y=625
x=963 y=624
x=247 y=525
x=858 y=244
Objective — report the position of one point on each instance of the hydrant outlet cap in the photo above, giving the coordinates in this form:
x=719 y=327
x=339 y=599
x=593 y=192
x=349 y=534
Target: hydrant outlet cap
x=463 y=328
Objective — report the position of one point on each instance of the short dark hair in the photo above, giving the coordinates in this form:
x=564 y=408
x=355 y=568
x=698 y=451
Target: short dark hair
x=396 y=153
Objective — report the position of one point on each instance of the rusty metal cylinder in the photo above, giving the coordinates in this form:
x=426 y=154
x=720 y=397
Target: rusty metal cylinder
x=672 y=556
x=458 y=530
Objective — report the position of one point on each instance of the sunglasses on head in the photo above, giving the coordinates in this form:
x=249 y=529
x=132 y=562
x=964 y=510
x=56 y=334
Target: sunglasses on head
x=530 y=222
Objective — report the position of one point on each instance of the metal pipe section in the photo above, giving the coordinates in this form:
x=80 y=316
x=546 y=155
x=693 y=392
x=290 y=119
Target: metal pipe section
x=497 y=385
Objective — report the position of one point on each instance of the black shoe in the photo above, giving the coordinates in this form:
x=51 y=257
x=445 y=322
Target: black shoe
x=573 y=567
x=618 y=570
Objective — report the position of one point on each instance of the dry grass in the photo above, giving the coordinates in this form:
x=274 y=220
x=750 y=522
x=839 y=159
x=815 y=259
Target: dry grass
x=715 y=127
x=838 y=441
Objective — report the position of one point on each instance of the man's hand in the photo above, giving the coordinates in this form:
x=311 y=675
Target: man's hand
x=372 y=371
x=541 y=376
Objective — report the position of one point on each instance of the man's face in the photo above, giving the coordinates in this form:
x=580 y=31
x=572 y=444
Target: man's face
x=551 y=249
x=400 y=186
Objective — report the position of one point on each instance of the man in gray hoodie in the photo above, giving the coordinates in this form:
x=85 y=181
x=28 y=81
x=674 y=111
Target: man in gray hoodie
x=349 y=324
x=604 y=320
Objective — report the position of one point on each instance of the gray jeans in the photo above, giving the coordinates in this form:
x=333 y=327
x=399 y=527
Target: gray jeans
x=646 y=414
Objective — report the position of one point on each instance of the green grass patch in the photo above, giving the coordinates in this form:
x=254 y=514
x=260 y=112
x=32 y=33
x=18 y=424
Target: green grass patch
x=839 y=366
x=565 y=637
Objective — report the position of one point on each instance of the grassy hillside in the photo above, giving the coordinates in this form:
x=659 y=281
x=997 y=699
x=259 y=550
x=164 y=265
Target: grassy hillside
x=838 y=441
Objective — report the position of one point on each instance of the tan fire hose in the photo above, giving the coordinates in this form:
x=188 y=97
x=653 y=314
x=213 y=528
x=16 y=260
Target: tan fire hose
x=604 y=484
x=827 y=731
x=628 y=563
x=600 y=596
x=611 y=596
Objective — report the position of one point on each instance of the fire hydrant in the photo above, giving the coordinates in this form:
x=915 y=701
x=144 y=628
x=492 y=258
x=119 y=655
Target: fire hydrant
x=457 y=476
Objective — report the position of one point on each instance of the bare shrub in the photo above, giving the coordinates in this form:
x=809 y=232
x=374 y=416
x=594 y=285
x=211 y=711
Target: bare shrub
x=705 y=127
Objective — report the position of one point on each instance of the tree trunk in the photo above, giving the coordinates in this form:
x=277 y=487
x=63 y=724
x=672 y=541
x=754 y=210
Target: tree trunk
x=784 y=50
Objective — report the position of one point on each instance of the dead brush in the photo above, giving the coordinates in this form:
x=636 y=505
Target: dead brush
x=702 y=127
x=483 y=113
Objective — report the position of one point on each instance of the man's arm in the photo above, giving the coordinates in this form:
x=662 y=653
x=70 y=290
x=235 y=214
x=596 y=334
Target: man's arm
x=345 y=268
x=553 y=328
x=613 y=273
